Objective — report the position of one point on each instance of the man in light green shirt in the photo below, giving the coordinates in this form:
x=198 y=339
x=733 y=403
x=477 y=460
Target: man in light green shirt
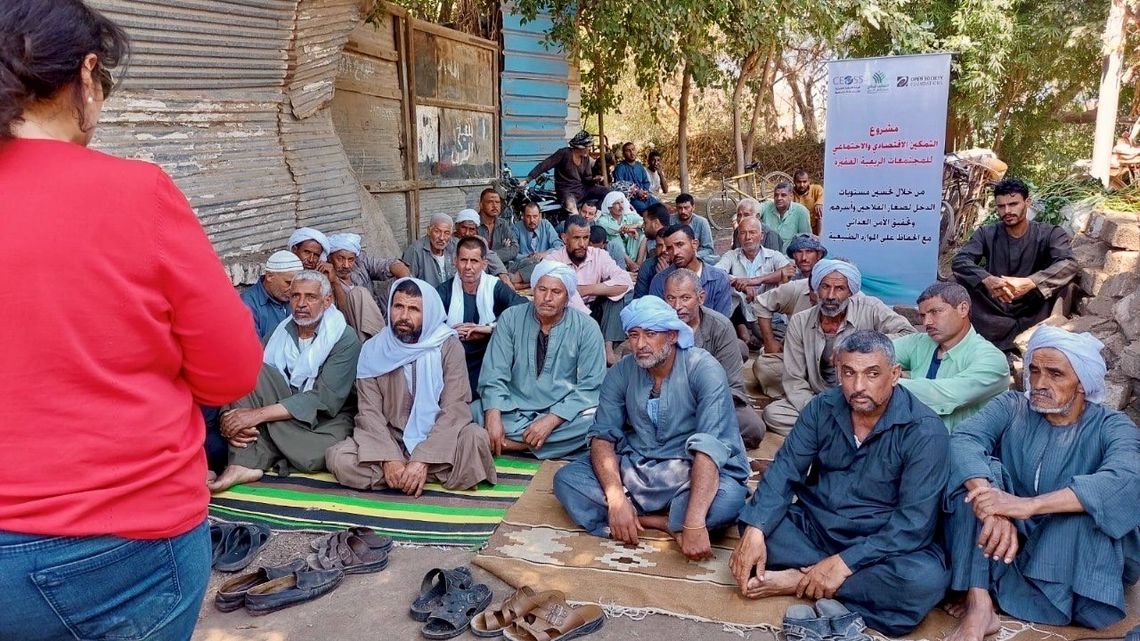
x=783 y=216
x=950 y=368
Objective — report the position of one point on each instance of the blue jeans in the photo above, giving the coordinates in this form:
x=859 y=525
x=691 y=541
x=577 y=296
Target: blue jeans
x=102 y=587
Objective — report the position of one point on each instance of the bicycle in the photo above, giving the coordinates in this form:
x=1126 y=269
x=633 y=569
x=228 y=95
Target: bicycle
x=720 y=208
x=964 y=198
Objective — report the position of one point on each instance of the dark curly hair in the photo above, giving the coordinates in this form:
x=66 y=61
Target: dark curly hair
x=42 y=48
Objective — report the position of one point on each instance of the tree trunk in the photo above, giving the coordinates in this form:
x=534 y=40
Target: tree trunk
x=806 y=115
x=1109 y=99
x=747 y=69
x=683 y=128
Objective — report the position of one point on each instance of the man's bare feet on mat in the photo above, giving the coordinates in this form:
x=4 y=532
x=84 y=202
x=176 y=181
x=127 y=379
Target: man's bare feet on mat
x=978 y=618
x=775 y=583
x=956 y=608
x=234 y=475
x=211 y=476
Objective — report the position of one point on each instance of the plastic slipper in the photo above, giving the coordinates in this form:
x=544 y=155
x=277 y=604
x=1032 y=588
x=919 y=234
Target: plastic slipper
x=351 y=554
x=231 y=594
x=374 y=540
x=491 y=623
x=218 y=534
x=241 y=546
x=436 y=583
x=556 y=620
x=453 y=616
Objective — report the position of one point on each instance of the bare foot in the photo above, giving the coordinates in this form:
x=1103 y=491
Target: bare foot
x=775 y=583
x=210 y=476
x=234 y=475
x=658 y=522
x=977 y=621
x=515 y=446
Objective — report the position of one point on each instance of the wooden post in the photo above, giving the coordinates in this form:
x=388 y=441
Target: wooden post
x=601 y=122
x=1109 y=99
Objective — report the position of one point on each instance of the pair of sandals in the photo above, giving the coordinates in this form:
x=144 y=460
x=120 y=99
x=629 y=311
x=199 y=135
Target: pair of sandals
x=357 y=550
x=527 y=615
x=269 y=589
x=829 y=620
x=448 y=600
x=234 y=545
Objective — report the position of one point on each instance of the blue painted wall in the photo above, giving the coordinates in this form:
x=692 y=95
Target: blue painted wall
x=539 y=94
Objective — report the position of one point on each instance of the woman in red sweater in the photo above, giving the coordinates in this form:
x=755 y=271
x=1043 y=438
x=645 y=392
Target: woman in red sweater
x=120 y=320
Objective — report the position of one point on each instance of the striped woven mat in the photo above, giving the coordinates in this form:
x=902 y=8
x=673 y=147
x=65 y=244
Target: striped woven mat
x=317 y=503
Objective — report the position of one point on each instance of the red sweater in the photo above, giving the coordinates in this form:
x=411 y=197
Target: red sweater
x=118 y=318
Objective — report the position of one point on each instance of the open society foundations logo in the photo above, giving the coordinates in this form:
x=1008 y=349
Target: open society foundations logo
x=903 y=82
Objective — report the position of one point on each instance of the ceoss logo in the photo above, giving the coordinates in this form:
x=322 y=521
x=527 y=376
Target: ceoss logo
x=846 y=84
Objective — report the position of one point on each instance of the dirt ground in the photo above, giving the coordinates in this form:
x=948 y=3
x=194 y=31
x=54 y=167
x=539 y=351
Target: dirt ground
x=375 y=606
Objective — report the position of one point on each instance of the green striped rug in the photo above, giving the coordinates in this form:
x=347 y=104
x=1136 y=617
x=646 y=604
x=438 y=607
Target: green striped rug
x=317 y=503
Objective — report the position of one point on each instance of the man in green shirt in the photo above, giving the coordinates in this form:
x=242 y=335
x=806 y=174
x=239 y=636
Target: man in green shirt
x=783 y=216
x=951 y=368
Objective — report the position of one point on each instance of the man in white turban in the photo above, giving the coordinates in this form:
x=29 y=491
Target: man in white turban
x=268 y=298
x=809 y=344
x=354 y=272
x=414 y=419
x=310 y=245
x=540 y=378
x=1044 y=487
x=298 y=408
x=665 y=449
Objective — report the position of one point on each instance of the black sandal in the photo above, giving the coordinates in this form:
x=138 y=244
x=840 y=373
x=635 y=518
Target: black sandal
x=240 y=546
x=437 y=583
x=454 y=616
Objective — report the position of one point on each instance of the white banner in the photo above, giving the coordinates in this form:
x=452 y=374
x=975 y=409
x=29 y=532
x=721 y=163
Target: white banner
x=886 y=135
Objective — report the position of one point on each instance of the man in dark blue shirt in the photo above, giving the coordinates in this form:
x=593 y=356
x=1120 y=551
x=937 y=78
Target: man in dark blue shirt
x=630 y=170
x=268 y=298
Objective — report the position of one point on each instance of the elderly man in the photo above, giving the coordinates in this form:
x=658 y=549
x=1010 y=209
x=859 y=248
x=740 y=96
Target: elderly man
x=352 y=288
x=629 y=169
x=1044 y=487
x=499 y=236
x=952 y=369
x=680 y=247
x=431 y=258
x=544 y=365
x=851 y=505
x=810 y=196
x=467 y=223
x=665 y=452
x=298 y=409
x=473 y=300
x=750 y=207
x=805 y=250
x=414 y=420
x=687 y=215
x=602 y=283
x=785 y=217
x=1027 y=263
x=268 y=298
x=656 y=218
x=713 y=333
x=752 y=270
x=311 y=246
x=809 y=345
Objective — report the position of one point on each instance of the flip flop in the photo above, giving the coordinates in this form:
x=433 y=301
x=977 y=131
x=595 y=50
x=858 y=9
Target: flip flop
x=556 y=620
x=374 y=540
x=453 y=616
x=351 y=554
x=436 y=583
x=491 y=623
x=241 y=546
x=218 y=534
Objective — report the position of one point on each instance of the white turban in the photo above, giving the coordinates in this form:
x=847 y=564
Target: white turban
x=467 y=216
x=616 y=196
x=1083 y=352
x=308 y=233
x=283 y=261
x=561 y=271
x=650 y=312
x=826 y=266
x=344 y=242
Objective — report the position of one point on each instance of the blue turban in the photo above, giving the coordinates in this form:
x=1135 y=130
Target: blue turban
x=561 y=271
x=806 y=241
x=1083 y=352
x=652 y=313
x=826 y=266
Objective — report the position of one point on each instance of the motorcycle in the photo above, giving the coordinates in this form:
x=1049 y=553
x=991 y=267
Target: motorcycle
x=516 y=194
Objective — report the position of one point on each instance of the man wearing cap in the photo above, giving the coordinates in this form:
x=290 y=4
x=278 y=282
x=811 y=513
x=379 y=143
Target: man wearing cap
x=355 y=271
x=473 y=301
x=574 y=179
x=414 y=419
x=268 y=298
x=752 y=270
x=298 y=409
x=775 y=306
x=467 y=225
x=431 y=258
x=1043 y=493
x=665 y=450
x=540 y=379
x=809 y=345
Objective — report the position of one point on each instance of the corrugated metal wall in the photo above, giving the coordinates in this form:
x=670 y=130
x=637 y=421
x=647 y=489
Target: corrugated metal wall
x=232 y=98
x=540 y=94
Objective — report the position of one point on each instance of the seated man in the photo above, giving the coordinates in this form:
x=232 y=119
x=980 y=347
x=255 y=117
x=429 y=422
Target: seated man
x=805 y=250
x=687 y=215
x=474 y=300
x=599 y=239
x=431 y=258
x=499 y=236
x=629 y=169
x=665 y=452
x=623 y=227
x=602 y=284
x=680 y=246
x=466 y=226
x=656 y=218
x=809 y=345
x=352 y=287
x=810 y=196
x=1042 y=497
x=268 y=298
x=713 y=333
x=311 y=246
x=851 y=505
x=540 y=380
x=750 y=207
x=952 y=369
x=1026 y=264
x=752 y=270
x=536 y=237
x=783 y=216
x=298 y=409
x=416 y=360
x=574 y=180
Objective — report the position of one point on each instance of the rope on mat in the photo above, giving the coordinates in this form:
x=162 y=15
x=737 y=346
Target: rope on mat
x=613 y=610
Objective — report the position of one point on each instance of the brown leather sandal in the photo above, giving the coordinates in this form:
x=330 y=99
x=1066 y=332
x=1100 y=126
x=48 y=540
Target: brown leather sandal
x=556 y=620
x=491 y=623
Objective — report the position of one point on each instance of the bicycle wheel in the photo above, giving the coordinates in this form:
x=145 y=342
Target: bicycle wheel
x=766 y=185
x=947 y=227
x=720 y=210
